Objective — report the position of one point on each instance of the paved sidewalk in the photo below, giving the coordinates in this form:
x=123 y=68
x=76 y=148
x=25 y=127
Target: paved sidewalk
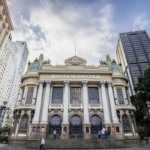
x=136 y=147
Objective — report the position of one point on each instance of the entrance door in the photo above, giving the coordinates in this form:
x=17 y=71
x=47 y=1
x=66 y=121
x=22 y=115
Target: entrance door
x=76 y=126
x=55 y=124
x=96 y=124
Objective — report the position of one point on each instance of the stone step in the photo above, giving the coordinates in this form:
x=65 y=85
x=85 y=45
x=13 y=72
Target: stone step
x=77 y=144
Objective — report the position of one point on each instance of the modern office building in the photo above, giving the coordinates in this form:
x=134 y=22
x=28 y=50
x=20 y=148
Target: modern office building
x=133 y=52
x=5 y=24
x=16 y=56
x=74 y=99
x=5 y=43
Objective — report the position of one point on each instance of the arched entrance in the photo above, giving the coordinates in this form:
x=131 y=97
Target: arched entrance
x=76 y=125
x=55 y=124
x=96 y=124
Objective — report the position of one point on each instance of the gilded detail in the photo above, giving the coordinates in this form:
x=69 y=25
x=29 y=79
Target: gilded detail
x=48 y=76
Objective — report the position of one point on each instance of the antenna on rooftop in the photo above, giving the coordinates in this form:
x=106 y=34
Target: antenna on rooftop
x=75 y=49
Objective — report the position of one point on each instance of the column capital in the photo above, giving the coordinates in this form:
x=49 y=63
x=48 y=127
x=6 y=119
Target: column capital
x=109 y=83
x=102 y=83
x=66 y=82
x=48 y=82
x=40 y=82
x=84 y=82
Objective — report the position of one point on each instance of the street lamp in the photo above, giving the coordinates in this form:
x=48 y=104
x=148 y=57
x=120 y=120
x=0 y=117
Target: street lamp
x=3 y=110
x=148 y=106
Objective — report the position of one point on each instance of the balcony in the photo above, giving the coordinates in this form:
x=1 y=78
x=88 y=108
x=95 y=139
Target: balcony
x=124 y=106
x=76 y=105
x=95 y=106
x=55 y=106
x=25 y=106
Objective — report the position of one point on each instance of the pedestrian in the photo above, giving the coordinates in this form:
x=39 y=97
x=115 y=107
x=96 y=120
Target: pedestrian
x=103 y=133
x=54 y=133
x=108 y=133
x=42 y=144
x=99 y=134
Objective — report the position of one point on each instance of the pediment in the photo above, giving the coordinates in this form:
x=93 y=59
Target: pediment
x=75 y=60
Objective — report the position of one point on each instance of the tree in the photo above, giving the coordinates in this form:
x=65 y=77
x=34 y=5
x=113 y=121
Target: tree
x=142 y=90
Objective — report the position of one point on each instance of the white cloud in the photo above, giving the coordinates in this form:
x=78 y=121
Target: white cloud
x=92 y=32
x=140 y=23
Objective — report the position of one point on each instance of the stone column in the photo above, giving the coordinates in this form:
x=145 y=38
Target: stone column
x=115 y=96
x=19 y=96
x=38 y=104
x=45 y=105
x=65 y=123
x=100 y=95
x=24 y=95
x=105 y=104
x=87 y=130
x=34 y=95
x=112 y=104
x=18 y=127
x=125 y=96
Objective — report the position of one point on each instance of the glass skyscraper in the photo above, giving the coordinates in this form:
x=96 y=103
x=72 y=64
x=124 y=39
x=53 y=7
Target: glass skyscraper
x=133 y=52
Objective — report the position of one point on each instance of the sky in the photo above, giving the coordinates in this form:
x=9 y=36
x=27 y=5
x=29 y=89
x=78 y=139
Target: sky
x=58 y=28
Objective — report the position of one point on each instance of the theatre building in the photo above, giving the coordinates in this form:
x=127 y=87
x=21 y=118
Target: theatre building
x=74 y=99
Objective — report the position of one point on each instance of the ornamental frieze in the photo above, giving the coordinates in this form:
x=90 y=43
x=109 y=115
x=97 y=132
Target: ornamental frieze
x=73 y=76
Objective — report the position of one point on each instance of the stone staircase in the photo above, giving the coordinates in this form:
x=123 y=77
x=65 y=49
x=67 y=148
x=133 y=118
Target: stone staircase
x=76 y=143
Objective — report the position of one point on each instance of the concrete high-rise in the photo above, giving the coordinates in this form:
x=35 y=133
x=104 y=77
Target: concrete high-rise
x=133 y=52
x=13 y=59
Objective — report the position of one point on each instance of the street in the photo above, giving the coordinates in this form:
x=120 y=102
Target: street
x=10 y=147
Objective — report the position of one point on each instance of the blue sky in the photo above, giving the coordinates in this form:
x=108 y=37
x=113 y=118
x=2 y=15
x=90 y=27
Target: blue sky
x=52 y=27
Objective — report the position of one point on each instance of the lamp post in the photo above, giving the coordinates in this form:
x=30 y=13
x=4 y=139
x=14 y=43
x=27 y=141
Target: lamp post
x=3 y=110
x=148 y=106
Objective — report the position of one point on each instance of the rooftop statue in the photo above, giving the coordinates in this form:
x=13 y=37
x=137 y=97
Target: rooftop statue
x=41 y=57
x=108 y=58
x=111 y=63
x=37 y=63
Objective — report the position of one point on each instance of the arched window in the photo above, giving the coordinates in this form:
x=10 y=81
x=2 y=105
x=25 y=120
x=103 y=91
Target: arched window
x=55 y=120
x=55 y=124
x=96 y=124
x=75 y=120
x=126 y=124
x=75 y=125
x=24 y=124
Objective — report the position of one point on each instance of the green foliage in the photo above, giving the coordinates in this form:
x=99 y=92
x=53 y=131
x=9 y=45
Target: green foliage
x=4 y=133
x=142 y=90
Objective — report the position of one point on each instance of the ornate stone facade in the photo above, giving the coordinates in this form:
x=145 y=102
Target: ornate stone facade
x=74 y=99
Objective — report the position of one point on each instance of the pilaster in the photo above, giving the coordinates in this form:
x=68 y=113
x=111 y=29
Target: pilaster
x=112 y=104
x=105 y=104
x=38 y=104
x=34 y=95
x=45 y=105
x=65 y=123
x=86 y=123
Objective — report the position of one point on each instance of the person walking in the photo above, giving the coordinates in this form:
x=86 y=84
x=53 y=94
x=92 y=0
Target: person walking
x=108 y=133
x=103 y=133
x=54 y=133
x=42 y=144
x=99 y=134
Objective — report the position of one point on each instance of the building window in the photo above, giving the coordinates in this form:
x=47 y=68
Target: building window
x=126 y=124
x=29 y=95
x=120 y=95
x=75 y=95
x=24 y=124
x=93 y=95
x=57 y=96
